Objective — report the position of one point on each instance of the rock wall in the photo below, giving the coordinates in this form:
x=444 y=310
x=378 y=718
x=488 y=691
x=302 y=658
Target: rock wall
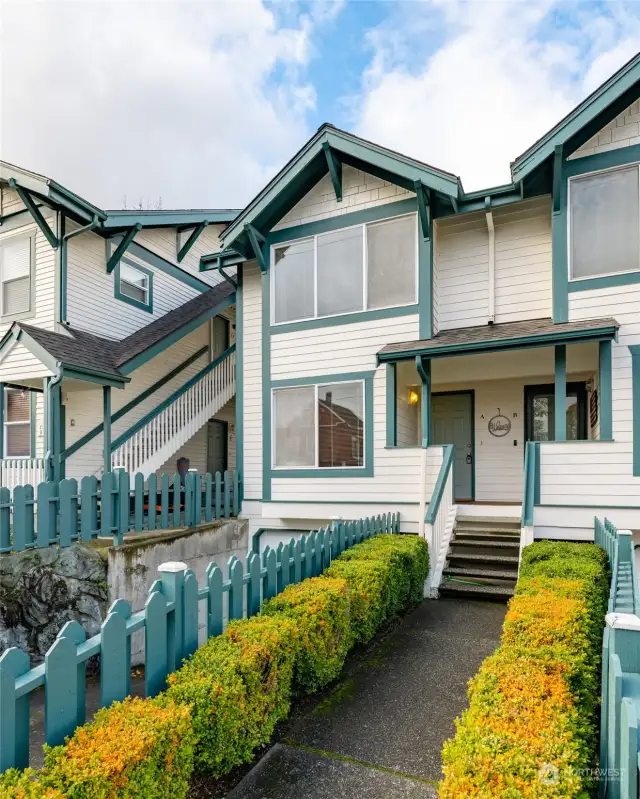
x=42 y=589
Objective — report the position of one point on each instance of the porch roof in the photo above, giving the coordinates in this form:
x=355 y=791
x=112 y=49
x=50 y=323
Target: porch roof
x=504 y=336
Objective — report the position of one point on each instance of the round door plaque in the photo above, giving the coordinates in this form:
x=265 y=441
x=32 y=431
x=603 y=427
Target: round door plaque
x=499 y=425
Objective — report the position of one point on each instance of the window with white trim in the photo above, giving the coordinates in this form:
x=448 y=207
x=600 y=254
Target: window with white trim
x=319 y=426
x=135 y=284
x=364 y=267
x=604 y=223
x=16 y=268
x=17 y=424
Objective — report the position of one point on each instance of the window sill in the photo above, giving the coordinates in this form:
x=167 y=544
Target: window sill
x=604 y=281
x=340 y=472
x=346 y=319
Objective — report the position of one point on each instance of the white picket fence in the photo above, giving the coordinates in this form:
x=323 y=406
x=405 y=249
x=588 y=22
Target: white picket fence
x=21 y=471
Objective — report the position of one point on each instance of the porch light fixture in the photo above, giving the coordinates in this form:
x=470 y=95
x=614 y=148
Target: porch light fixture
x=413 y=397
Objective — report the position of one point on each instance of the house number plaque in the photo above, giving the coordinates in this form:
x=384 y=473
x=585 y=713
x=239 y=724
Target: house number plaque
x=499 y=425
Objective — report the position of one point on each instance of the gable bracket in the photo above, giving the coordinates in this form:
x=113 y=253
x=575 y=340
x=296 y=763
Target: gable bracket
x=120 y=250
x=35 y=213
x=557 y=178
x=424 y=208
x=335 y=169
x=195 y=235
x=257 y=241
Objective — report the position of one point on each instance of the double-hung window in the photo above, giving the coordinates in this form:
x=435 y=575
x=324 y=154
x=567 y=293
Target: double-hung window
x=16 y=277
x=359 y=268
x=134 y=285
x=17 y=424
x=604 y=223
x=319 y=426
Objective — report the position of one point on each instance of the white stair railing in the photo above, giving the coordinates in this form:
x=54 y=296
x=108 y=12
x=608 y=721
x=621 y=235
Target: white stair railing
x=439 y=521
x=21 y=471
x=158 y=435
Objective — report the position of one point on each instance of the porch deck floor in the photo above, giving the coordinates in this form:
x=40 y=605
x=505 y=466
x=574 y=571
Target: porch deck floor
x=379 y=732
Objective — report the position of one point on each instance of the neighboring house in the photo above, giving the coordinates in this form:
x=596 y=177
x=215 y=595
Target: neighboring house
x=483 y=319
x=105 y=317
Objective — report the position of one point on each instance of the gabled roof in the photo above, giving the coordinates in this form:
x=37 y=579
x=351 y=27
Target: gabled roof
x=311 y=163
x=593 y=113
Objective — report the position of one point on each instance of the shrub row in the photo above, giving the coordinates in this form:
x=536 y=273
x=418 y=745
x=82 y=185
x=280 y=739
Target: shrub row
x=225 y=700
x=531 y=726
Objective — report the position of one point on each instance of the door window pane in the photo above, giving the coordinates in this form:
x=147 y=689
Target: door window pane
x=340 y=271
x=294 y=424
x=391 y=262
x=543 y=425
x=572 y=418
x=293 y=281
x=604 y=223
x=341 y=425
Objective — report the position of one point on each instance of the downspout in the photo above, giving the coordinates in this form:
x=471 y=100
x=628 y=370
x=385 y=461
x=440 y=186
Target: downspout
x=63 y=262
x=488 y=213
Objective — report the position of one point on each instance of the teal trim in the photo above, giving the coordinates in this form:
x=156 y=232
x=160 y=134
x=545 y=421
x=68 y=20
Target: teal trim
x=158 y=262
x=125 y=241
x=257 y=240
x=195 y=235
x=560 y=382
x=531 y=494
x=171 y=398
x=601 y=161
x=607 y=332
x=604 y=282
x=334 y=166
x=438 y=489
x=151 y=219
x=240 y=377
x=322 y=472
x=338 y=502
x=33 y=398
x=16 y=335
x=35 y=212
x=559 y=256
x=375 y=214
x=2 y=404
x=425 y=287
x=223 y=259
x=635 y=381
x=92 y=376
x=167 y=341
x=117 y=291
x=424 y=370
x=346 y=319
x=266 y=385
x=106 y=416
x=81 y=442
x=391 y=405
x=55 y=432
x=605 y=390
x=423 y=199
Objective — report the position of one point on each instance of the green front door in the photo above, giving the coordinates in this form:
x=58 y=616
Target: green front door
x=452 y=423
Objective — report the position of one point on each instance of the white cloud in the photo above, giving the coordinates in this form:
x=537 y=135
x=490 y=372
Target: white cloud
x=153 y=99
x=499 y=74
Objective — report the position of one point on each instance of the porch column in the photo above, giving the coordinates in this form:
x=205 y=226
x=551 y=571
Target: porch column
x=106 y=415
x=561 y=393
x=1 y=420
x=423 y=365
x=605 y=391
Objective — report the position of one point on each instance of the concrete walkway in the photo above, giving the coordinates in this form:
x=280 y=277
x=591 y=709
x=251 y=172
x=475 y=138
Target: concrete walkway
x=379 y=733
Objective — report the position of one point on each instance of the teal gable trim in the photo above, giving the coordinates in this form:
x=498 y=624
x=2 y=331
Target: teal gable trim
x=605 y=390
x=635 y=380
x=117 y=292
x=391 y=404
x=321 y=473
x=425 y=286
x=155 y=219
x=266 y=385
x=36 y=213
x=599 y=161
x=154 y=260
x=346 y=319
x=114 y=258
x=240 y=377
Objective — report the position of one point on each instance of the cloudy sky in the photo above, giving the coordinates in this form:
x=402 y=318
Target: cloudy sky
x=197 y=103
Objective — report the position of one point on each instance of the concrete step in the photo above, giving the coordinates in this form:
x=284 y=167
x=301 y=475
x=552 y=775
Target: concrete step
x=499 y=522
x=490 y=543
x=463 y=557
x=499 y=593
x=482 y=535
x=482 y=572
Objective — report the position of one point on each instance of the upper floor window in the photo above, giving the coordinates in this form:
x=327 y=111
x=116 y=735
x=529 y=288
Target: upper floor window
x=605 y=223
x=16 y=277
x=134 y=285
x=17 y=424
x=352 y=269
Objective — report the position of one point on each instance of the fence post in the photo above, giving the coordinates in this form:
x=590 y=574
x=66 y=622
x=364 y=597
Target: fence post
x=189 y=499
x=172 y=575
x=14 y=712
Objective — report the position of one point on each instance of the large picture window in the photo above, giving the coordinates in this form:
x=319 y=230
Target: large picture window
x=17 y=424
x=605 y=223
x=319 y=426
x=352 y=269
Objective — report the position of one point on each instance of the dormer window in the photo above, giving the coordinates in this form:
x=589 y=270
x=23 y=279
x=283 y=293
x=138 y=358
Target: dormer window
x=133 y=284
x=349 y=270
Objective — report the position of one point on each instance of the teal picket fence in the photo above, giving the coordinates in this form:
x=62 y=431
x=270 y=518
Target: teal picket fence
x=59 y=513
x=170 y=623
x=620 y=713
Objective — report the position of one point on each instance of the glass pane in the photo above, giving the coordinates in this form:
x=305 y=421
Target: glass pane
x=294 y=420
x=18 y=440
x=16 y=259
x=293 y=281
x=17 y=406
x=16 y=295
x=543 y=418
x=391 y=262
x=572 y=418
x=340 y=271
x=341 y=425
x=604 y=223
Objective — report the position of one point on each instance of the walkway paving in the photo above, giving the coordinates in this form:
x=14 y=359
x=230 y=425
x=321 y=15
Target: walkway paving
x=380 y=732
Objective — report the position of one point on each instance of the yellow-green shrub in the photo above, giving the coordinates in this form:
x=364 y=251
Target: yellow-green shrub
x=25 y=784
x=369 y=594
x=319 y=607
x=138 y=749
x=238 y=686
x=530 y=730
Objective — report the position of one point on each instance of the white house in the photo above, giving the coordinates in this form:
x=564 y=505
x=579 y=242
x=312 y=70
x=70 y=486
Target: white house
x=374 y=284
x=107 y=322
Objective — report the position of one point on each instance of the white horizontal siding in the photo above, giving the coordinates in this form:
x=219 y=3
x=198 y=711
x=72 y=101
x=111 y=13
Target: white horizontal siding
x=252 y=411
x=19 y=364
x=10 y=202
x=163 y=242
x=623 y=131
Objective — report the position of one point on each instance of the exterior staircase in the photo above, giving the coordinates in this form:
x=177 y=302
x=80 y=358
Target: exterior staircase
x=482 y=560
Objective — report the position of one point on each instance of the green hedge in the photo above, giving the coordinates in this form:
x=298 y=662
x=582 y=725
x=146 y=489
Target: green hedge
x=531 y=727
x=225 y=700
